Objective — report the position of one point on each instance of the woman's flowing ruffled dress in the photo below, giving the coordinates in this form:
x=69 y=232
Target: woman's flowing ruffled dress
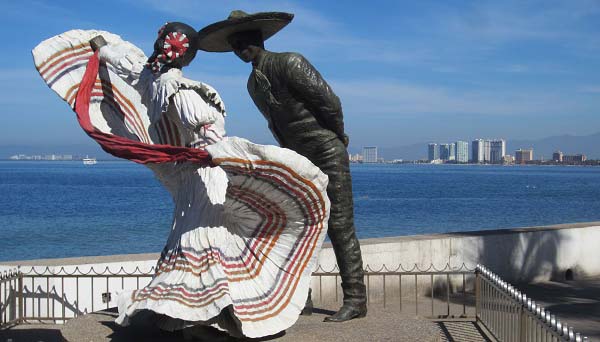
x=246 y=229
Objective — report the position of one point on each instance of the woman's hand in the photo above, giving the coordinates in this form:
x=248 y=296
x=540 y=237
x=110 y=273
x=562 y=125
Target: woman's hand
x=97 y=42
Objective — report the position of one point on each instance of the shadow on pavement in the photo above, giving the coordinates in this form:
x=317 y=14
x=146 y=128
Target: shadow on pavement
x=27 y=333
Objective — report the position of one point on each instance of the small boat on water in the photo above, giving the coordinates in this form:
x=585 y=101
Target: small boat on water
x=89 y=161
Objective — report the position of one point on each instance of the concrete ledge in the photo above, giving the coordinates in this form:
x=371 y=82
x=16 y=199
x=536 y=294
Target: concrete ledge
x=490 y=232
x=519 y=254
x=85 y=260
x=120 y=258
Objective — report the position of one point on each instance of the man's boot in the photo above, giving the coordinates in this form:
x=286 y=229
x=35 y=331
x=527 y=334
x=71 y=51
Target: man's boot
x=355 y=303
x=347 y=252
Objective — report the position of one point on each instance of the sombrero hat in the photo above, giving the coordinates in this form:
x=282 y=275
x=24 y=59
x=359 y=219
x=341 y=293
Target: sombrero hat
x=213 y=38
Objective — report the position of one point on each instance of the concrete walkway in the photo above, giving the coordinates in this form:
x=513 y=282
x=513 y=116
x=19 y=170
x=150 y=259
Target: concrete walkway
x=449 y=331
x=99 y=327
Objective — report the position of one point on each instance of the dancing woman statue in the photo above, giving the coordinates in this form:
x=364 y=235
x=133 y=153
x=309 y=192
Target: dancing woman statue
x=249 y=219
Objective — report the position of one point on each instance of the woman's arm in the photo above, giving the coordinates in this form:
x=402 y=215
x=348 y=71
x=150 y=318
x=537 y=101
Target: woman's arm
x=128 y=63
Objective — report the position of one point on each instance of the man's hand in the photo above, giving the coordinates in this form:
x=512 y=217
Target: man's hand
x=97 y=42
x=345 y=139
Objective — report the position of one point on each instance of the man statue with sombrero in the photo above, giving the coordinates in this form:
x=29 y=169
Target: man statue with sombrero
x=306 y=116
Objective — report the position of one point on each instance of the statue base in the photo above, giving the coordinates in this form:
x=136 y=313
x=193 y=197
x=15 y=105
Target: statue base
x=379 y=325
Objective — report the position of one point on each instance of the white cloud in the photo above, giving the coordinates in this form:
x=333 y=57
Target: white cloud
x=389 y=97
x=515 y=68
x=45 y=13
x=16 y=75
x=493 y=23
x=594 y=89
x=17 y=86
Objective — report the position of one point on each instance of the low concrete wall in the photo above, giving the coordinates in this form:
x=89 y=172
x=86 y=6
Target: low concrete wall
x=517 y=255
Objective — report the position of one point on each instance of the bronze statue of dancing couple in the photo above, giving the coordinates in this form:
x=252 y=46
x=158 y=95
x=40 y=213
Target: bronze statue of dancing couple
x=249 y=219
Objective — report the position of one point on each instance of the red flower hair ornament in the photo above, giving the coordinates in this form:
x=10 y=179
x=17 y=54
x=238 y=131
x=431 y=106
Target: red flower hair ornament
x=174 y=46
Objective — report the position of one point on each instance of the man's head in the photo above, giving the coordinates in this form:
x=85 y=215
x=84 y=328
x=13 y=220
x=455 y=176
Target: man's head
x=242 y=33
x=247 y=45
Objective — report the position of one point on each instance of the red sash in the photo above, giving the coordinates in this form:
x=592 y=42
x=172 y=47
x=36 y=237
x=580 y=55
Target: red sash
x=122 y=147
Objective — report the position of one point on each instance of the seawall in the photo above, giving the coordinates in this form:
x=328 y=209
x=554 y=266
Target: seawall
x=517 y=255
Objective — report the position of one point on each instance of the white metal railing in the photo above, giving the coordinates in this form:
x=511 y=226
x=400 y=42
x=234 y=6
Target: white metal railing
x=512 y=316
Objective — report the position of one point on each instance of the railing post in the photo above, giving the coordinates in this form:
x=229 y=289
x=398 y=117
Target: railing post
x=522 y=322
x=20 y=301
x=477 y=294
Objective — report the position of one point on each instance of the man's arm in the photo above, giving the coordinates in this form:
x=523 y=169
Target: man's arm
x=265 y=112
x=308 y=86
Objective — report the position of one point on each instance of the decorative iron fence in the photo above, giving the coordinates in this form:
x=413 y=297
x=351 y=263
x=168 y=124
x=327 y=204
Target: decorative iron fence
x=54 y=295
x=428 y=292
x=510 y=315
x=11 y=295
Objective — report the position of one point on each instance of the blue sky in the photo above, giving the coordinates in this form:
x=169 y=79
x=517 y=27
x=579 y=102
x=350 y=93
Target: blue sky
x=406 y=71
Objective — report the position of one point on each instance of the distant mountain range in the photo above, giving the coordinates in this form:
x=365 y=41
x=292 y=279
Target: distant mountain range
x=568 y=144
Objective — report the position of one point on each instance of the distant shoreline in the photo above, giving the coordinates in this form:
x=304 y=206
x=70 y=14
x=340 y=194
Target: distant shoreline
x=352 y=163
x=473 y=164
x=68 y=161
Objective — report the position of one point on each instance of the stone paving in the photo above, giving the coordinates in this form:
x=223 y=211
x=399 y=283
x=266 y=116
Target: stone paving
x=449 y=331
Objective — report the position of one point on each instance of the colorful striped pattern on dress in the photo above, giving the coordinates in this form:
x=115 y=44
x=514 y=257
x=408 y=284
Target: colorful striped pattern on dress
x=249 y=264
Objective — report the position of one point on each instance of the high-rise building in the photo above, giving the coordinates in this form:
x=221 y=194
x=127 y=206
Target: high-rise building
x=557 y=157
x=497 y=151
x=522 y=156
x=370 y=154
x=487 y=149
x=445 y=151
x=433 y=152
x=576 y=158
x=462 y=152
x=478 y=148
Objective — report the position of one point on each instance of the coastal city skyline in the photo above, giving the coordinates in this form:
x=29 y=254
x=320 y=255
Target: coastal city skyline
x=478 y=151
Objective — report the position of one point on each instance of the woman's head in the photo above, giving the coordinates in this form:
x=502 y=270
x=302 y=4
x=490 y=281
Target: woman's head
x=175 y=47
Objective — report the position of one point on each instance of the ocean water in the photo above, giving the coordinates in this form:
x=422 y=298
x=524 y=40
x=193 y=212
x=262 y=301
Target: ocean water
x=65 y=209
